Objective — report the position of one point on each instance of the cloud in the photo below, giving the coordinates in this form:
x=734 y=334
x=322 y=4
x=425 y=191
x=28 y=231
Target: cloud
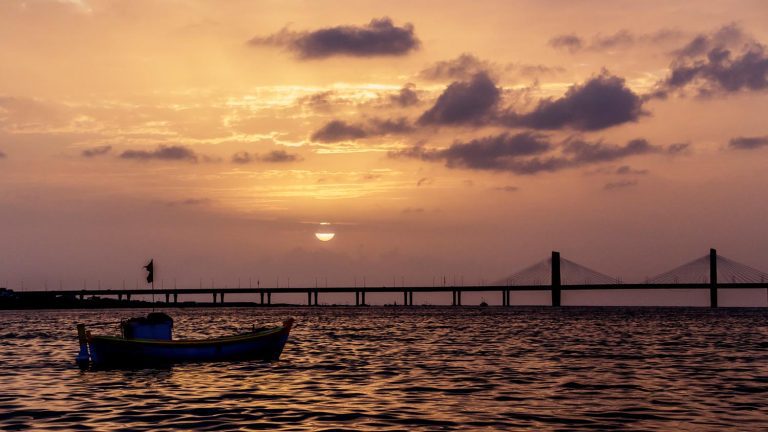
x=96 y=151
x=2 y=155
x=280 y=156
x=190 y=202
x=528 y=153
x=424 y=181
x=628 y=170
x=622 y=39
x=601 y=102
x=243 y=157
x=621 y=184
x=748 y=143
x=493 y=152
x=406 y=96
x=724 y=61
x=275 y=156
x=162 y=152
x=466 y=65
x=380 y=37
x=678 y=148
x=464 y=102
x=569 y=42
x=321 y=102
x=463 y=67
x=339 y=130
x=584 y=152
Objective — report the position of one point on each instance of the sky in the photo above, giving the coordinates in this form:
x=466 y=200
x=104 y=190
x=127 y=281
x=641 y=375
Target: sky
x=437 y=138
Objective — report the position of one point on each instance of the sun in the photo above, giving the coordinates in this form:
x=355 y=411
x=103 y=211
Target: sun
x=325 y=232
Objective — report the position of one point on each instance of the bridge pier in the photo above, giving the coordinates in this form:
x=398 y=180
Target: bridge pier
x=357 y=298
x=316 y=302
x=269 y=297
x=362 y=297
x=214 y=297
x=405 y=298
x=175 y=298
x=504 y=298
x=222 y=297
x=128 y=296
x=556 y=282
x=458 y=298
x=167 y=298
x=120 y=297
x=309 y=298
x=713 y=278
x=82 y=296
x=410 y=298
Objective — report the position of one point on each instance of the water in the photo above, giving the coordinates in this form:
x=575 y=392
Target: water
x=408 y=369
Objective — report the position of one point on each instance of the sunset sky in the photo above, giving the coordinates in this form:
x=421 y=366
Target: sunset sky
x=436 y=137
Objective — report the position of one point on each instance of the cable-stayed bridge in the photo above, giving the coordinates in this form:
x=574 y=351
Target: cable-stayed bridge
x=712 y=272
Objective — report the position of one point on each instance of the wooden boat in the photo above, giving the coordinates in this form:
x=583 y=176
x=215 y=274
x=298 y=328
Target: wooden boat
x=148 y=341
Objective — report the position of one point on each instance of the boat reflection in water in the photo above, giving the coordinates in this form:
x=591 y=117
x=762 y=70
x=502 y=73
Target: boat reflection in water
x=147 y=341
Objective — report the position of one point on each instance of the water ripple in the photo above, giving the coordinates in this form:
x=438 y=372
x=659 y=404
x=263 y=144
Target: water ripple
x=407 y=369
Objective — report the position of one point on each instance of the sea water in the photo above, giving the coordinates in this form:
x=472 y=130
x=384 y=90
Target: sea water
x=413 y=368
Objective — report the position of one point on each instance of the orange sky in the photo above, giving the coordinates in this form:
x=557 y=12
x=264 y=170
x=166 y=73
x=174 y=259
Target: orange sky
x=437 y=138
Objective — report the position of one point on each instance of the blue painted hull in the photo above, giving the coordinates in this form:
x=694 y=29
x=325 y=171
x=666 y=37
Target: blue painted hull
x=261 y=345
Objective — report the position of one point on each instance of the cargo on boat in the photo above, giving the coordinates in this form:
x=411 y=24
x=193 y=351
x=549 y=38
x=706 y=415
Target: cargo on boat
x=148 y=340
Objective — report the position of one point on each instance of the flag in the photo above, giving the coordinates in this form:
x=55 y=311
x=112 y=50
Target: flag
x=150 y=268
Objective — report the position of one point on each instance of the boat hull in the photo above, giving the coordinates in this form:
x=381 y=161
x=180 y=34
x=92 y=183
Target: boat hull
x=263 y=345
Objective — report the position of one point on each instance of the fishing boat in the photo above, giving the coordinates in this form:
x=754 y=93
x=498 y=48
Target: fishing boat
x=148 y=341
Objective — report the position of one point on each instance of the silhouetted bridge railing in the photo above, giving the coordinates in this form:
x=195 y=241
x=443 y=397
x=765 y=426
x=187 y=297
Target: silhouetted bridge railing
x=553 y=274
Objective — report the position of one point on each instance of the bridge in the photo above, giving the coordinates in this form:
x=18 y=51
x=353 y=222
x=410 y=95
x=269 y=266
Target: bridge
x=556 y=274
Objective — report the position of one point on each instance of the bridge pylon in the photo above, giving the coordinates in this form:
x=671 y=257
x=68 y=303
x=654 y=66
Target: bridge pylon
x=555 y=280
x=713 y=278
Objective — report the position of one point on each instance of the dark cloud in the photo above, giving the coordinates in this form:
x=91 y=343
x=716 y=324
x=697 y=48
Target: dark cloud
x=162 y=152
x=96 y=151
x=622 y=39
x=748 y=143
x=528 y=153
x=600 y=103
x=621 y=184
x=380 y=37
x=464 y=102
x=190 y=202
x=463 y=67
x=724 y=61
x=280 y=156
x=628 y=170
x=569 y=42
x=275 y=156
x=319 y=101
x=678 y=148
x=727 y=36
x=585 y=152
x=338 y=130
x=424 y=181
x=406 y=96
x=243 y=157
x=389 y=126
x=493 y=152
